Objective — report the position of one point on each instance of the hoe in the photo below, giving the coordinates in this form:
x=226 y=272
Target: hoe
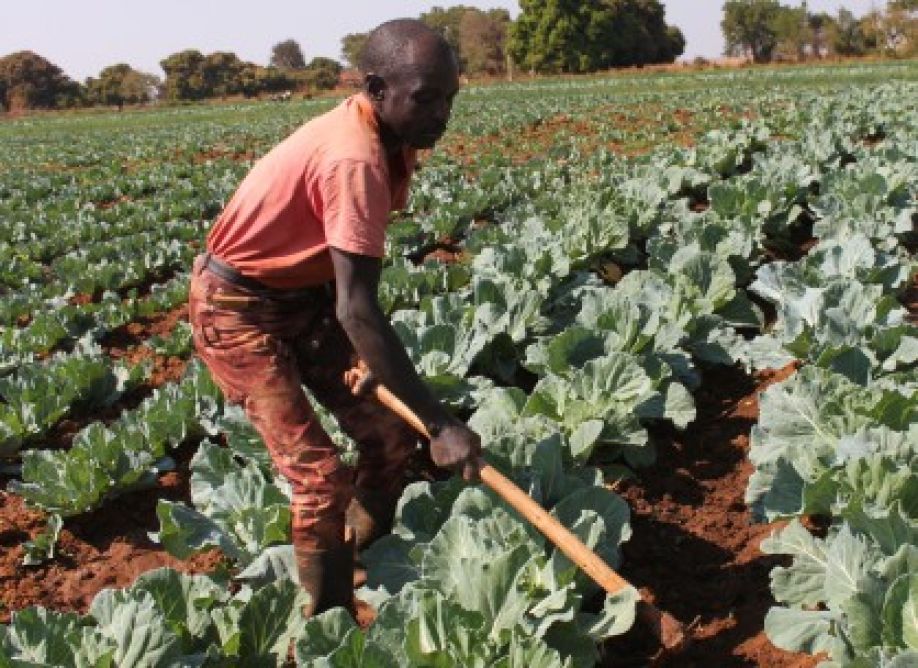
x=671 y=633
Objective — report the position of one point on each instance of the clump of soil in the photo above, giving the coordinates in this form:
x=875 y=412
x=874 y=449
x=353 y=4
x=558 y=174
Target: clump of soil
x=694 y=551
x=106 y=548
x=128 y=344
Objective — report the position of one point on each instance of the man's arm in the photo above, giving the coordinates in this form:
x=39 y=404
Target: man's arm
x=357 y=309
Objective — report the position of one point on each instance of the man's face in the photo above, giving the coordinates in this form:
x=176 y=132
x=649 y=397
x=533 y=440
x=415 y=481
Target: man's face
x=416 y=104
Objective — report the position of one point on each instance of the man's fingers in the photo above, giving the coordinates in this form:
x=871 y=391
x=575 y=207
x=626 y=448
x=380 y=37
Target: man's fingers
x=470 y=471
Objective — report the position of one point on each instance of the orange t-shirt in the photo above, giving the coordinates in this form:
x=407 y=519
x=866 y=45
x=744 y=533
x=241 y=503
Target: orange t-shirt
x=330 y=183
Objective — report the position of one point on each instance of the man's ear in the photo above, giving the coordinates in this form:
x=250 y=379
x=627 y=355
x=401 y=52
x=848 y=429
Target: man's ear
x=375 y=87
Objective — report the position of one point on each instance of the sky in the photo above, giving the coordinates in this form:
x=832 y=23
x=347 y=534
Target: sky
x=84 y=36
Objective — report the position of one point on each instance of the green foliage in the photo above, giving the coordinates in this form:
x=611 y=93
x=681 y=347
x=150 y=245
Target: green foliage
x=41 y=548
x=37 y=396
x=446 y=21
x=792 y=32
x=766 y=30
x=164 y=619
x=184 y=75
x=853 y=594
x=567 y=36
x=255 y=80
x=237 y=510
x=288 y=55
x=477 y=36
x=121 y=84
x=322 y=73
x=749 y=27
x=847 y=35
x=482 y=41
x=32 y=82
x=352 y=47
x=190 y=75
x=221 y=72
x=469 y=581
x=105 y=461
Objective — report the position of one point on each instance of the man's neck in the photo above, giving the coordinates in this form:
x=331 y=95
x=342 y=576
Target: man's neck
x=391 y=143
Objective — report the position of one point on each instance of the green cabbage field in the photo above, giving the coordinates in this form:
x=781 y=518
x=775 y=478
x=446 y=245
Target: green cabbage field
x=680 y=309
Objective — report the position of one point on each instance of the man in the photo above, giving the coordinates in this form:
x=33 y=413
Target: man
x=287 y=295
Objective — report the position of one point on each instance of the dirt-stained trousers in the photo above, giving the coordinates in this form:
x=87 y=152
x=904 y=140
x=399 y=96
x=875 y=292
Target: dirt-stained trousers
x=260 y=351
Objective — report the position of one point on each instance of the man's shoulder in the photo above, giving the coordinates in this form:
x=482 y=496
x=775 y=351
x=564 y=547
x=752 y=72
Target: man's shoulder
x=339 y=135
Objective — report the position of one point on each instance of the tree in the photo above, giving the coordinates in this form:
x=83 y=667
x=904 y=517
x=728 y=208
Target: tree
x=250 y=80
x=121 y=84
x=288 y=55
x=32 y=82
x=654 y=40
x=185 y=75
x=820 y=26
x=900 y=27
x=675 y=44
x=749 y=27
x=446 y=22
x=572 y=36
x=352 y=48
x=482 y=40
x=221 y=73
x=846 y=36
x=892 y=32
x=190 y=75
x=478 y=37
x=255 y=80
x=792 y=32
x=322 y=73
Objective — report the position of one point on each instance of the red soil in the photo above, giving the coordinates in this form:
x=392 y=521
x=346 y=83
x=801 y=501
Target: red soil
x=694 y=551
x=105 y=548
x=109 y=203
x=127 y=344
x=446 y=255
x=80 y=299
x=234 y=156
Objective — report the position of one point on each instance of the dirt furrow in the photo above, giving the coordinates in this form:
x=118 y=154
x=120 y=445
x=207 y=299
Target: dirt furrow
x=695 y=547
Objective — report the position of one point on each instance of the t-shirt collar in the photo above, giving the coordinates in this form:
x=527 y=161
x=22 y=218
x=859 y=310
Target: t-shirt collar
x=365 y=109
x=368 y=115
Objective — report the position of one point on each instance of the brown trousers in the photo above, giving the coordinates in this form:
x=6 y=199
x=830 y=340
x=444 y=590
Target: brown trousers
x=260 y=351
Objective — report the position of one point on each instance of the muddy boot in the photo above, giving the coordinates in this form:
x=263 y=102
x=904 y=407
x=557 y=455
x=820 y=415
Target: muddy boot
x=327 y=575
x=370 y=514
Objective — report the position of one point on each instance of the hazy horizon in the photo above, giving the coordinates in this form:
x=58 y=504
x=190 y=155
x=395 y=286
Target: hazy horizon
x=84 y=37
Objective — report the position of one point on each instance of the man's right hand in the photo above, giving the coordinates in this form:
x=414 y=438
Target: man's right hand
x=457 y=448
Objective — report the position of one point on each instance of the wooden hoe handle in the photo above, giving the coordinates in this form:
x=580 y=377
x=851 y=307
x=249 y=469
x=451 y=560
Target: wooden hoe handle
x=666 y=628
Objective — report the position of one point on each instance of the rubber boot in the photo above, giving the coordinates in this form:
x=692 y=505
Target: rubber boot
x=327 y=575
x=370 y=514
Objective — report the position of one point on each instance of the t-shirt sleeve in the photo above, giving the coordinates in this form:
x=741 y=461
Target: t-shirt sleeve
x=357 y=202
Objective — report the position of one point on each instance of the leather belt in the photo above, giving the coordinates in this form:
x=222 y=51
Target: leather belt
x=222 y=270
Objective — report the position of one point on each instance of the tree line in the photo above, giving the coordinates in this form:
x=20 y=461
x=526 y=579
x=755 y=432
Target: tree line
x=551 y=36
x=29 y=81
x=548 y=37
x=767 y=31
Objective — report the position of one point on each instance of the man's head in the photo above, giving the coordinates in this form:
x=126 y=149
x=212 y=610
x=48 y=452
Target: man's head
x=411 y=77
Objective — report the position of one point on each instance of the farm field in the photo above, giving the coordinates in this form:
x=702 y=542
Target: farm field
x=681 y=309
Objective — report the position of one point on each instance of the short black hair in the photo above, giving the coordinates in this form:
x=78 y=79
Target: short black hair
x=388 y=43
